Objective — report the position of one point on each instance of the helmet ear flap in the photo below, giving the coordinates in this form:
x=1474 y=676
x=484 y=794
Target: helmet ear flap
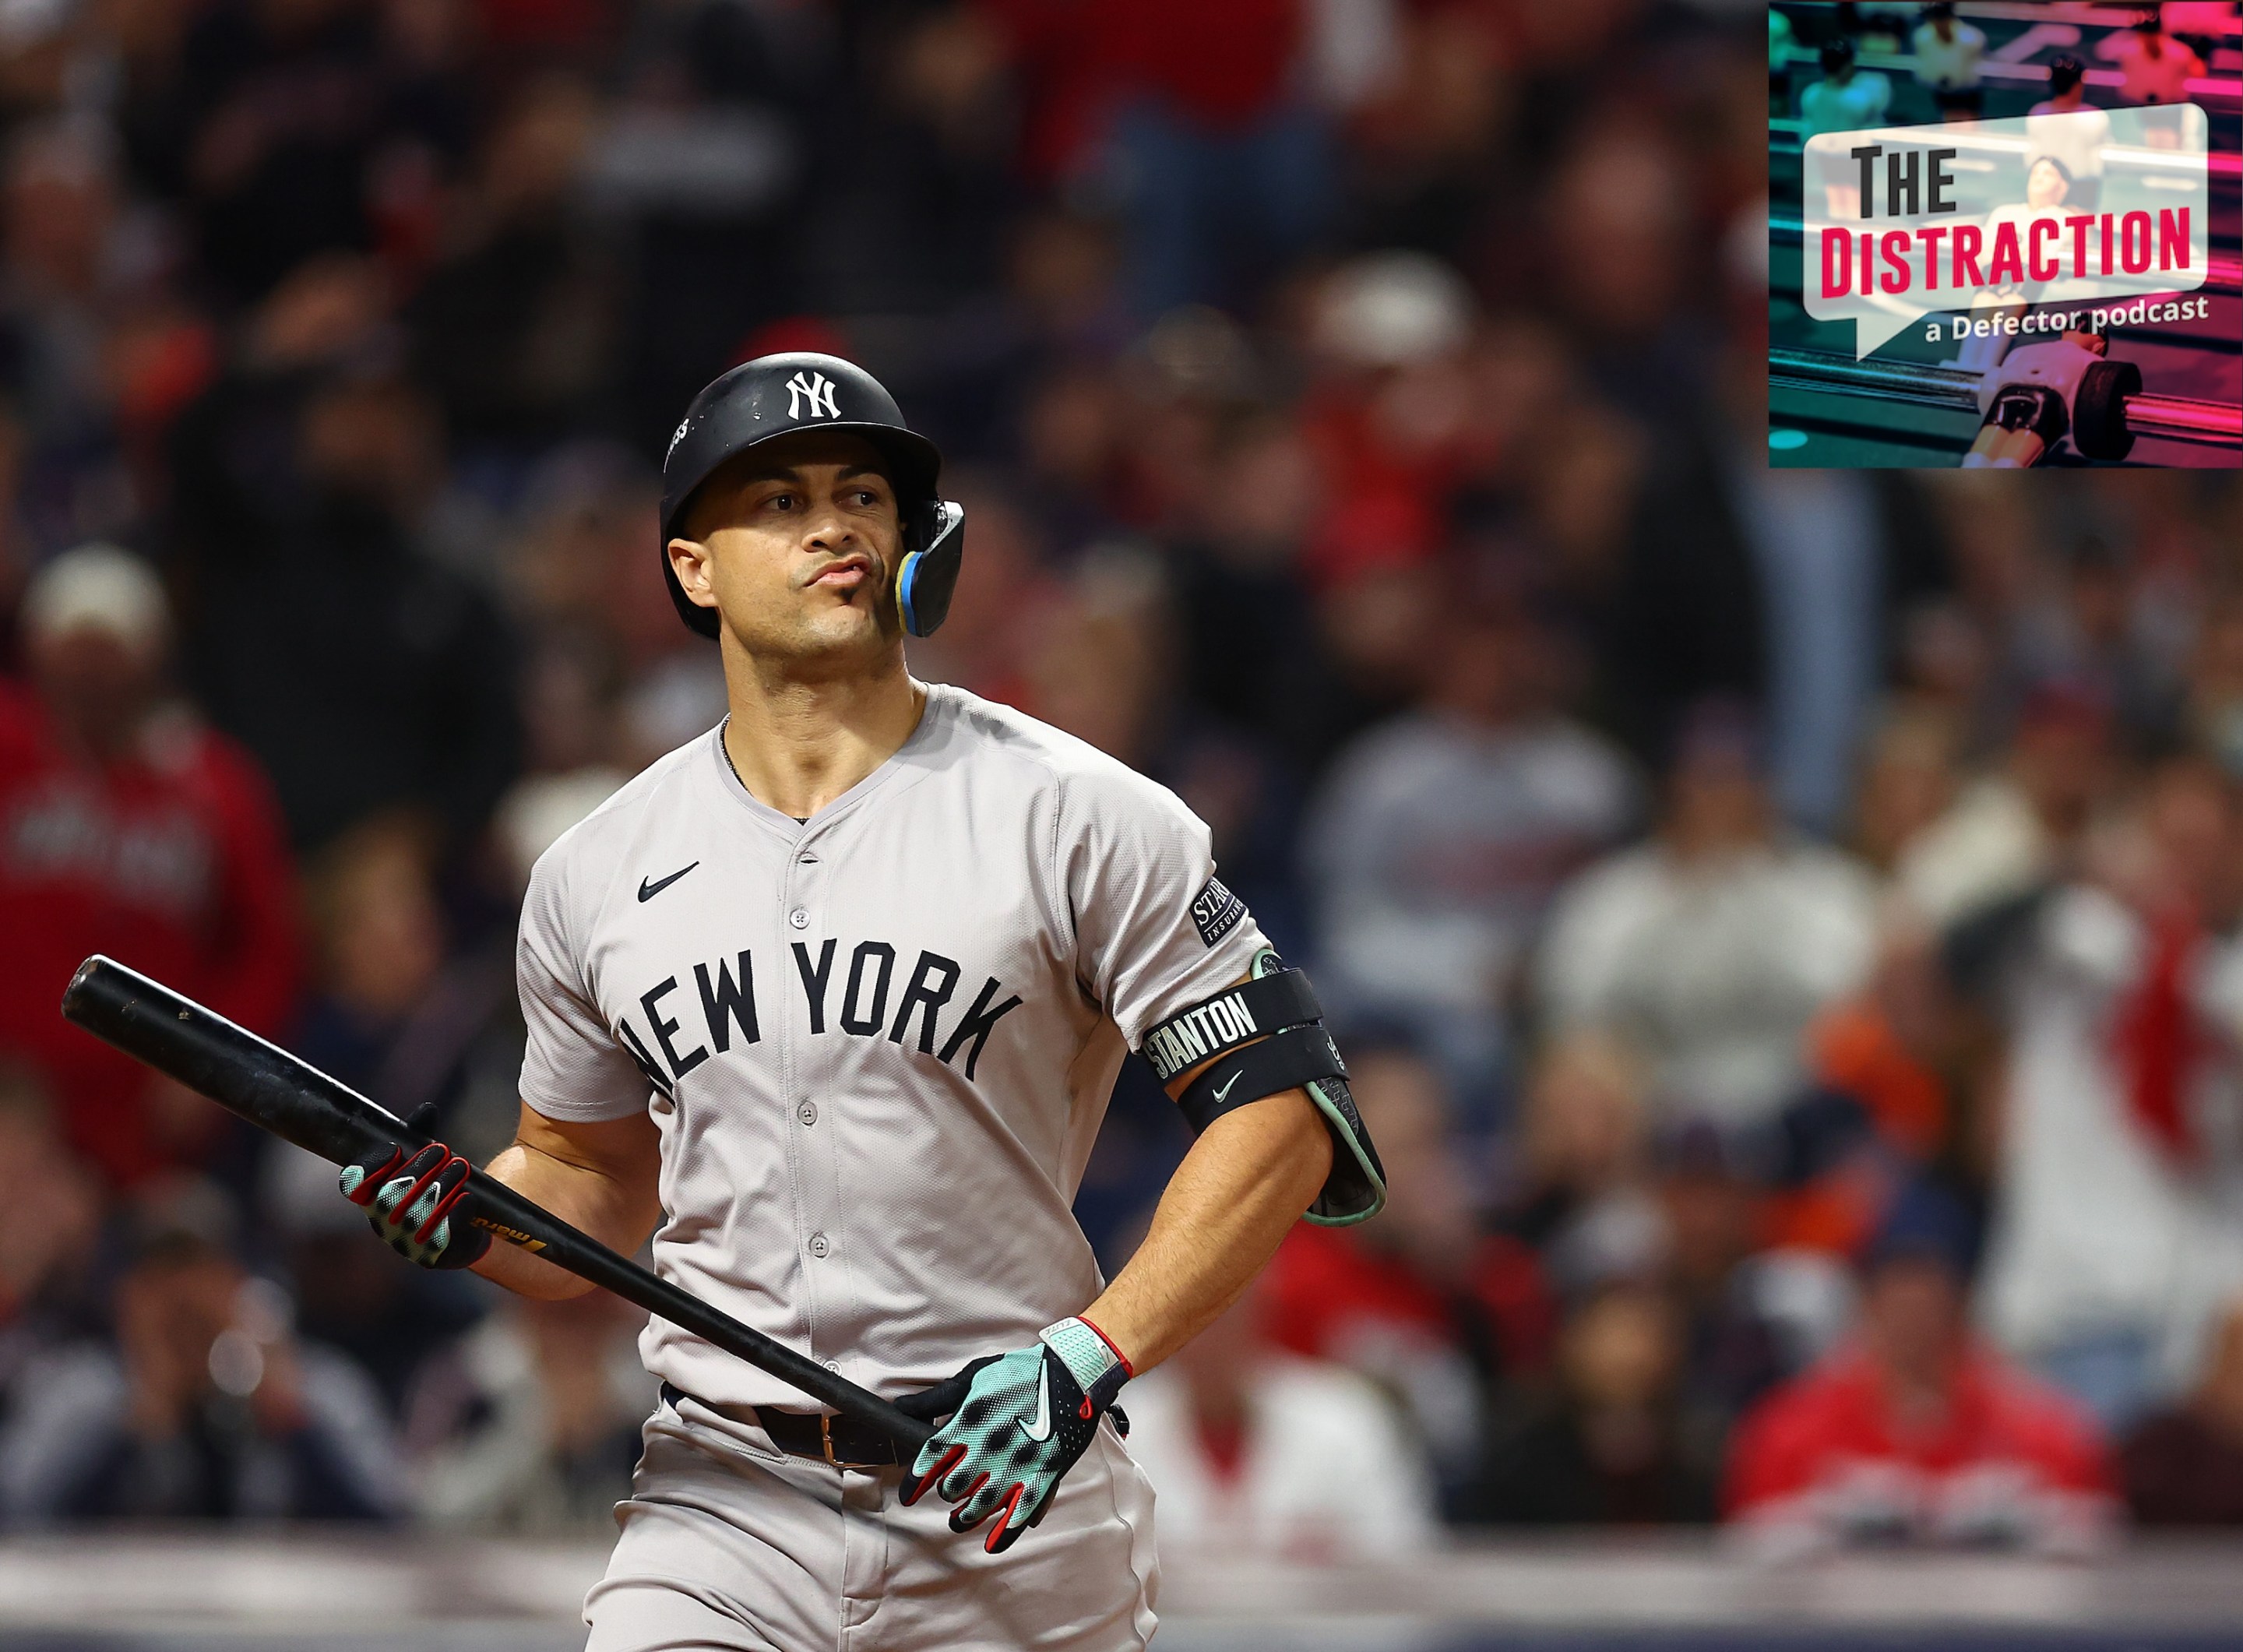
x=929 y=573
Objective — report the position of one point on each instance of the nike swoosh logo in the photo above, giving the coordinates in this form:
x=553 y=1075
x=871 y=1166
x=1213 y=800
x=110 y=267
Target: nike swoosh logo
x=648 y=891
x=1042 y=1429
x=1221 y=1090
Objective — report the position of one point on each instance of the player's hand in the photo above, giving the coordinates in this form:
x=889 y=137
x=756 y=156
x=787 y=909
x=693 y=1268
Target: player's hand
x=1017 y=1422
x=411 y=1199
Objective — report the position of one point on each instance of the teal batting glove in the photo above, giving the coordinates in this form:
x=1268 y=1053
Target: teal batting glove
x=414 y=1199
x=1017 y=1422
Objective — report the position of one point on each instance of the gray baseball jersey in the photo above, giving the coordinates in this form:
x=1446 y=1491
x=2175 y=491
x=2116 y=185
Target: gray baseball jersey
x=878 y=1045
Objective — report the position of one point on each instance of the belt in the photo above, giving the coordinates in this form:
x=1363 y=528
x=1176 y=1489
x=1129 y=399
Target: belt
x=841 y=1441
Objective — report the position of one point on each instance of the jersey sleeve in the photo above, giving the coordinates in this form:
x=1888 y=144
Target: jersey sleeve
x=573 y=1068
x=1155 y=930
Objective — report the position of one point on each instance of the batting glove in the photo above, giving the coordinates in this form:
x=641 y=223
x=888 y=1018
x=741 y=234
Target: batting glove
x=1017 y=1422
x=411 y=1200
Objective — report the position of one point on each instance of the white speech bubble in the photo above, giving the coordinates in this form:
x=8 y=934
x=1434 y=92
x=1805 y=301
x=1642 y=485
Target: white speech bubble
x=1961 y=216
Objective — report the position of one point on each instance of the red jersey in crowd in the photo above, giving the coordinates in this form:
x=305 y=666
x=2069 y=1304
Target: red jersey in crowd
x=1327 y=1290
x=172 y=861
x=1223 y=67
x=2010 y=1460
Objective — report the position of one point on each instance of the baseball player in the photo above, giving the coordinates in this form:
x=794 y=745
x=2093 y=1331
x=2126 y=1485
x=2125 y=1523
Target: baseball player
x=829 y=1003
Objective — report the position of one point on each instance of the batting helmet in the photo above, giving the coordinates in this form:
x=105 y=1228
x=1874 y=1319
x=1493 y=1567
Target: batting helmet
x=774 y=395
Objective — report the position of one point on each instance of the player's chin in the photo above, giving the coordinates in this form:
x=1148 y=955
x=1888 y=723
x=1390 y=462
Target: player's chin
x=834 y=628
x=846 y=622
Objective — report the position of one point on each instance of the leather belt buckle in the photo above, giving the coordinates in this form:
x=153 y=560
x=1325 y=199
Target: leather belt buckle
x=826 y=1444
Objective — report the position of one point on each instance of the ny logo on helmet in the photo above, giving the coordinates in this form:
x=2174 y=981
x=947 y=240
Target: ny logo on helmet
x=819 y=388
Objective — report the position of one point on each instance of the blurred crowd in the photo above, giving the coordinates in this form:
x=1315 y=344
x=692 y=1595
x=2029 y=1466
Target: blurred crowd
x=1783 y=924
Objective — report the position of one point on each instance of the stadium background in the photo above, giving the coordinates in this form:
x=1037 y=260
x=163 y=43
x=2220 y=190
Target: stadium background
x=1756 y=902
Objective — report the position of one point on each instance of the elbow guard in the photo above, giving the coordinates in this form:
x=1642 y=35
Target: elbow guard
x=1260 y=1038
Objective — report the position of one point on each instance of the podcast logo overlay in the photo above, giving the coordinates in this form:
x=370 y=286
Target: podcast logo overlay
x=2093 y=219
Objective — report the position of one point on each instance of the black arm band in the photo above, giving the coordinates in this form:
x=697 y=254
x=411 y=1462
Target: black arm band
x=1234 y=1016
x=1282 y=1062
x=1262 y=1038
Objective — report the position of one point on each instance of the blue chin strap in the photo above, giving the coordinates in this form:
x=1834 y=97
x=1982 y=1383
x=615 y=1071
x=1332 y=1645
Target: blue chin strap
x=929 y=575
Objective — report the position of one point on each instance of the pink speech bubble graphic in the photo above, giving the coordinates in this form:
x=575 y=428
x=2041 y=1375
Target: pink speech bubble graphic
x=2091 y=210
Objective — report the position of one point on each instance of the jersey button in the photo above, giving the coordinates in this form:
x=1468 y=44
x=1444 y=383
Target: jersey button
x=818 y=1245
x=809 y=860
x=807 y=1113
x=798 y=918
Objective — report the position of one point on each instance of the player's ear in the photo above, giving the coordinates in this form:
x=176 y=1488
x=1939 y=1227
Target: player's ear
x=689 y=560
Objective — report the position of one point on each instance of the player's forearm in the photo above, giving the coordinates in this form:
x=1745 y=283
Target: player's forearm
x=1236 y=1196
x=616 y=1213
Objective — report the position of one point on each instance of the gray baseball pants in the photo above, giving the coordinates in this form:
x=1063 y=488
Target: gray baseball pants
x=731 y=1546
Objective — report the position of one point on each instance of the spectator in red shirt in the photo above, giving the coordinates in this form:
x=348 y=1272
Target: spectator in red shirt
x=1915 y=1432
x=127 y=828
x=1418 y=1297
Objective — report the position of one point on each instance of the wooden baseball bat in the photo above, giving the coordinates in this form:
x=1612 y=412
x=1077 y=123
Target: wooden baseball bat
x=276 y=1091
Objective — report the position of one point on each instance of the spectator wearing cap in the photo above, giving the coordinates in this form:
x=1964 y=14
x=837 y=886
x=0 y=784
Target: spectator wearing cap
x=1438 y=839
x=2066 y=126
x=2117 y=1170
x=1915 y=1432
x=1390 y=334
x=203 y=1404
x=127 y=827
x=1712 y=946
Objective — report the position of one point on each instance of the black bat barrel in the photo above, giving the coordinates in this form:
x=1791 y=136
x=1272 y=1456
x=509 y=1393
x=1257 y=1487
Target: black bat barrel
x=241 y=1072
x=276 y=1091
